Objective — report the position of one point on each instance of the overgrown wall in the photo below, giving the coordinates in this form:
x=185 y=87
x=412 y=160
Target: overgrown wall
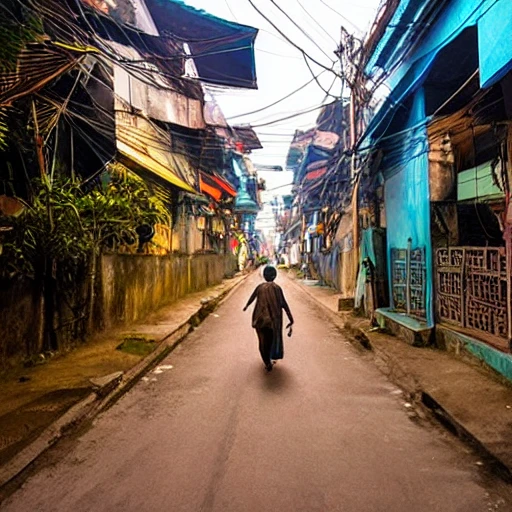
x=128 y=288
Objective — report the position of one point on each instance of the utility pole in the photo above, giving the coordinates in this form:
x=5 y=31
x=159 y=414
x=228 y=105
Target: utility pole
x=348 y=53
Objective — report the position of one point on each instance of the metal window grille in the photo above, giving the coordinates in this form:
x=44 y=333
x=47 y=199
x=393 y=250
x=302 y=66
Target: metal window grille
x=409 y=280
x=471 y=285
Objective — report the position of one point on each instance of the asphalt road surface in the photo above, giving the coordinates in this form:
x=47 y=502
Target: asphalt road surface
x=210 y=430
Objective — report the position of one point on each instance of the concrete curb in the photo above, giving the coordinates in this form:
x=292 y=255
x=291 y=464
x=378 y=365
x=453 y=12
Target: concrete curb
x=98 y=401
x=413 y=388
x=424 y=397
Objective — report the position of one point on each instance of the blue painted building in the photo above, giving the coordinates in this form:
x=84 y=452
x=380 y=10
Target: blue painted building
x=435 y=164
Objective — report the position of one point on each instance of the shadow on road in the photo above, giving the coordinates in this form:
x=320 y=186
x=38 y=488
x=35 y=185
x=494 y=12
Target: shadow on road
x=279 y=379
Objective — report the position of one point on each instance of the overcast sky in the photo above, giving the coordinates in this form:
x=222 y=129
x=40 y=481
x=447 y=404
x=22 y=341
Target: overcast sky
x=281 y=68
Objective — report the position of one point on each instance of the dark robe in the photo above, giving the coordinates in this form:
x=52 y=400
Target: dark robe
x=267 y=319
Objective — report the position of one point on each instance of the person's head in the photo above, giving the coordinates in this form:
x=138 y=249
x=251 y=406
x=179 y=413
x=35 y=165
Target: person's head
x=269 y=273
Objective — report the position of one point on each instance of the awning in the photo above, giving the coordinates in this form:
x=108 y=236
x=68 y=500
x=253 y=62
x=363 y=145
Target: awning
x=215 y=186
x=140 y=143
x=147 y=91
x=206 y=186
x=225 y=185
x=129 y=156
x=248 y=137
x=223 y=51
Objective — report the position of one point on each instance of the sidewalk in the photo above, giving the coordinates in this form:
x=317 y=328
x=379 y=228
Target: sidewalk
x=465 y=397
x=39 y=404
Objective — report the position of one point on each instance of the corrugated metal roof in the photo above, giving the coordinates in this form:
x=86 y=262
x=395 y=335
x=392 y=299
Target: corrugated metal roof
x=141 y=143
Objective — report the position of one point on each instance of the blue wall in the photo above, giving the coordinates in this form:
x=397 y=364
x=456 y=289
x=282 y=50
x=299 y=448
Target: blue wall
x=407 y=197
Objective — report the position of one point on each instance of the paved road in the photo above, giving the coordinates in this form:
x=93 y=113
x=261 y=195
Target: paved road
x=324 y=432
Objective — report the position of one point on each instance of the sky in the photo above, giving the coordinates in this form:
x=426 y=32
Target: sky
x=281 y=68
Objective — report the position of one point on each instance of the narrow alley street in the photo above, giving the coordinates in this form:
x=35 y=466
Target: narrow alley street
x=210 y=430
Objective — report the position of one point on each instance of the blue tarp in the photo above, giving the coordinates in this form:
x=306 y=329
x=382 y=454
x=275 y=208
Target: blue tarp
x=495 y=42
x=223 y=51
x=367 y=251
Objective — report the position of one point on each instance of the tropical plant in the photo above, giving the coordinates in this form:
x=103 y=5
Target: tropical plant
x=49 y=228
x=64 y=229
x=65 y=224
x=15 y=33
x=111 y=214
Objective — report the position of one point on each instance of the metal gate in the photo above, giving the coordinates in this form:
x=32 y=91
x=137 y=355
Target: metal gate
x=472 y=287
x=408 y=274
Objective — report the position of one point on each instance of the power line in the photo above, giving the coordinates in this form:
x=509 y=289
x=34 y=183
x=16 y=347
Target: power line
x=316 y=23
x=280 y=100
x=277 y=54
x=315 y=78
x=230 y=10
x=340 y=15
x=318 y=107
x=300 y=28
x=273 y=115
x=280 y=186
x=296 y=46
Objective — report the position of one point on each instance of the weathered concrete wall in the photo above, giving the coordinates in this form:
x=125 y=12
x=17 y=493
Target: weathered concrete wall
x=128 y=287
x=134 y=285
x=20 y=320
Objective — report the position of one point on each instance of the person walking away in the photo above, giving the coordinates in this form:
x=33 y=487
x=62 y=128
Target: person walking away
x=267 y=317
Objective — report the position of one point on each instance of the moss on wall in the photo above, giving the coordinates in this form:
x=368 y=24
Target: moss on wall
x=129 y=287
x=134 y=285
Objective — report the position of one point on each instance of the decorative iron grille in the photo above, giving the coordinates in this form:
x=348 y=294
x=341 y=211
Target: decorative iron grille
x=408 y=280
x=472 y=288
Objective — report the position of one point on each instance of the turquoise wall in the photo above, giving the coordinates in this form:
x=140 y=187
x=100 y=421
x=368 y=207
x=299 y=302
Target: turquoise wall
x=407 y=199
